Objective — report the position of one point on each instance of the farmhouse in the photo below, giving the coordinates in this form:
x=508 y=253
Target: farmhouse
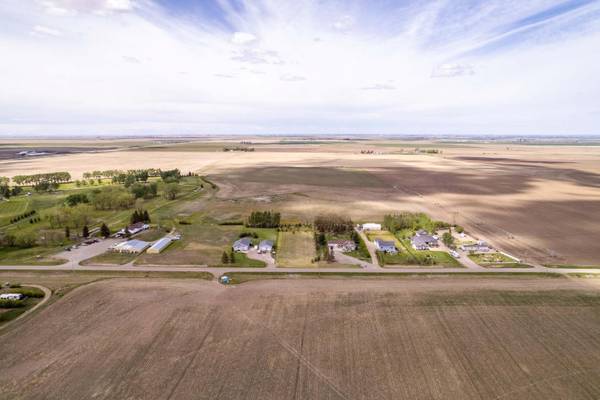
x=11 y=296
x=133 y=229
x=131 y=246
x=385 y=246
x=266 y=246
x=423 y=241
x=371 y=227
x=160 y=245
x=342 y=245
x=242 y=244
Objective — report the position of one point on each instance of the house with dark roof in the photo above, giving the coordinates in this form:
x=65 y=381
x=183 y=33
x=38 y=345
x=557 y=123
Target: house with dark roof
x=386 y=246
x=423 y=242
x=265 y=246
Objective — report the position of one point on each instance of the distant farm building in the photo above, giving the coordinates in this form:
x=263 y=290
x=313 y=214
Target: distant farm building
x=342 y=245
x=160 y=245
x=371 y=227
x=242 y=245
x=385 y=246
x=131 y=246
x=266 y=246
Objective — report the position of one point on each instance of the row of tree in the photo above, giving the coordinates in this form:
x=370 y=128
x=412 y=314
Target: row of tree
x=52 y=177
x=412 y=221
x=263 y=219
x=333 y=224
x=6 y=191
x=22 y=216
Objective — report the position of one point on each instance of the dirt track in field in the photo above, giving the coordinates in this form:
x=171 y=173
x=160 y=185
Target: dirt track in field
x=417 y=338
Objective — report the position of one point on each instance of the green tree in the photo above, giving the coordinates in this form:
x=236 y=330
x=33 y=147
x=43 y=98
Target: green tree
x=171 y=190
x=104 y=230
x=86 y=231
x=67 y=233
x=448 y=239
x=224 y=258
x=232 y=257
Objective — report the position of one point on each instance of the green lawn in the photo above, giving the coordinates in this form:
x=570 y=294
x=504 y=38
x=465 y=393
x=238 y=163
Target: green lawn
x=33 y=256
x=296 y=249
x=110 y=257
x=430 y=258
x=572 y=266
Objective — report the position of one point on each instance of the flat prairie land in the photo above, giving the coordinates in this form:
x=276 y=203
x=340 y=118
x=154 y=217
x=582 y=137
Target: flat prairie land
x=405 y=338
x=295 y=249
x=536 y=201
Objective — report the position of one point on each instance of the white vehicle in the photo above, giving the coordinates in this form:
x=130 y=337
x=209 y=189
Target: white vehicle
x=454 y=254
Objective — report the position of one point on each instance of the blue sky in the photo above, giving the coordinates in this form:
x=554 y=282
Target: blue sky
x=124 y=67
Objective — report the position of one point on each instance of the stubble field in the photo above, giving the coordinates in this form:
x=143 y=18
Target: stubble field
x=412 y=338
x=535 y=201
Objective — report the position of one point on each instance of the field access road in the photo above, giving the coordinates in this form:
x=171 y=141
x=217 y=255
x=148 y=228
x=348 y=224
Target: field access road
x=371 y=247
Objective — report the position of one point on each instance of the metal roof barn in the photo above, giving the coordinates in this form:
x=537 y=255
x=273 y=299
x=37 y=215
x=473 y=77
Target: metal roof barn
x=160 y=245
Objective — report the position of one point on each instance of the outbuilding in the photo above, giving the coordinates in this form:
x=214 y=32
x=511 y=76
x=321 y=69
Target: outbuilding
x=266 y=246
x=370 y=226
x=131 y=246
x=342 y=245
x=160 y=245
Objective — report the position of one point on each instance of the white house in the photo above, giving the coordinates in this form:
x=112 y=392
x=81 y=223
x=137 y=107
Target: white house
x=134 y=228
x=242 y=244
x=386 y=246
x=11 y=296
x=266 y=246
x=371 y=227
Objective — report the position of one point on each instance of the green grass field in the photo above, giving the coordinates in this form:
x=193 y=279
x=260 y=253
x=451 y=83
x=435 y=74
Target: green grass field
x=33 y=256
x=110 y=258
x=296 y=249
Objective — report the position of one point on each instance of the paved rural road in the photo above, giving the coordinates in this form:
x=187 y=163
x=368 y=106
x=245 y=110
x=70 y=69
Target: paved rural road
x=47 y=294
x=219 y=271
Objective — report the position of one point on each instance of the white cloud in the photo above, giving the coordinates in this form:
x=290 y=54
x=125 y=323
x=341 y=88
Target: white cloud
x=144 y=70
x=452 y=70
x=242 y=38
x=45 y=31
x=344 y=23
x=292 y=78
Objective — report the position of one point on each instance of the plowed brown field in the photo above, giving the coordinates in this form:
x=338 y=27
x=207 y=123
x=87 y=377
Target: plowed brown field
x=417 y=338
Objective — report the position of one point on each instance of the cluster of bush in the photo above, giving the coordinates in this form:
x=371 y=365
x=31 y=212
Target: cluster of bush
x=322 y=249
x=73 y=199
x=333 y=224
x=22 y=241
x=263 y=219
x=144 y=190
x=228 y=258
x=412 y=221
x=22 y=216
x=248 y=234
x=6 y=191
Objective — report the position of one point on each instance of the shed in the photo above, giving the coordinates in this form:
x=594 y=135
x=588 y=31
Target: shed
x=370 y=226
x=160 y=245
x=131 y=246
